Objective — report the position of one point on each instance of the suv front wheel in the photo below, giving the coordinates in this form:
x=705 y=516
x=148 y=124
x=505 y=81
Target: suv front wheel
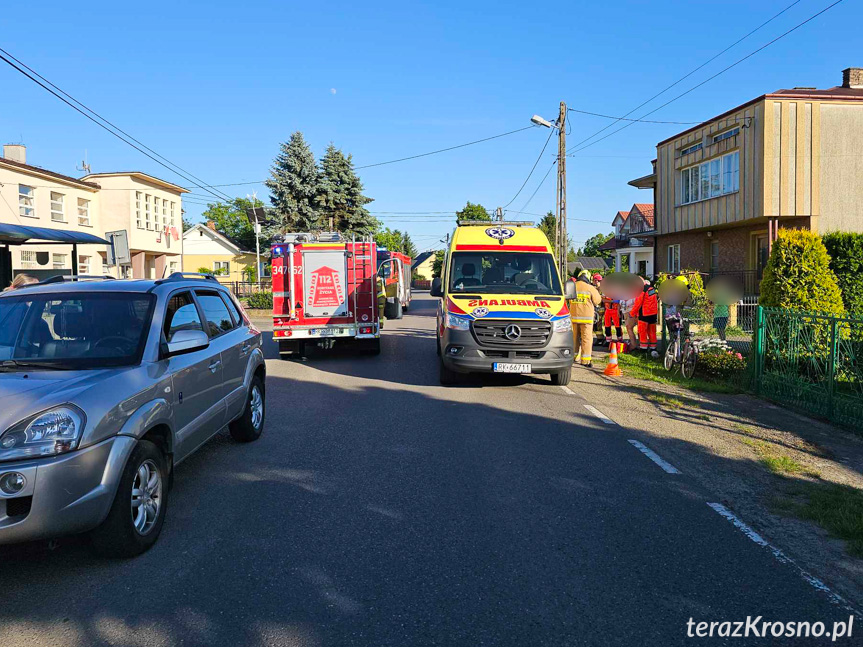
x=135 y=519
x=248 y=427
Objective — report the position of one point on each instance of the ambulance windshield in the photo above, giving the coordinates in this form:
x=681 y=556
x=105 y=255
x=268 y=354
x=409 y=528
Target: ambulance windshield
x=504 y=273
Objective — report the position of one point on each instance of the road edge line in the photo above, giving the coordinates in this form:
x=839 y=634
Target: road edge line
x=656 y=458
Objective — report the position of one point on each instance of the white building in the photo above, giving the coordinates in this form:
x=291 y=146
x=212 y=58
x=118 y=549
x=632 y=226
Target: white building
x=633 y=240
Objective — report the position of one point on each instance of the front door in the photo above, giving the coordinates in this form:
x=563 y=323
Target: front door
x=199 y=409
x=762 y=254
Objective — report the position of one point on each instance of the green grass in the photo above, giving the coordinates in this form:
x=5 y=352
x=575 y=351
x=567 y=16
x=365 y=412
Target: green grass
x=742 y=428
x=704 y=416
x=779 y=463
x=665 y=400
x=645 y=368
x=836 y=508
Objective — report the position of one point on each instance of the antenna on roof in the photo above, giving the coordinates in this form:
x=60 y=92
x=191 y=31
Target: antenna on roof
x=85 y=167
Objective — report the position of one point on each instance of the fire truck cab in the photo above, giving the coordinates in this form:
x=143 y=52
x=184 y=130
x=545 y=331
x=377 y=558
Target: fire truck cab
x=325 y=289
x=394 y=269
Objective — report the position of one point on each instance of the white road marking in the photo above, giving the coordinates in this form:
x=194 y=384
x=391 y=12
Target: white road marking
x=566 y=389
x=780 y=556
x=600 y=415
x=652 y=455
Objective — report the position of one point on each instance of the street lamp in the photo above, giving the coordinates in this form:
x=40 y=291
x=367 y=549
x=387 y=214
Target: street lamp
x=562 y=238
x=539 y=121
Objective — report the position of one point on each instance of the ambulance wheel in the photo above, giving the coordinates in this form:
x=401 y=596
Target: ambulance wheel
x=561 y=378
x=446 y=376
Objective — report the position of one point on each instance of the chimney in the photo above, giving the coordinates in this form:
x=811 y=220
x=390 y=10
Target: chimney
x=211 y=225
x=15 y=152
x=853 y=78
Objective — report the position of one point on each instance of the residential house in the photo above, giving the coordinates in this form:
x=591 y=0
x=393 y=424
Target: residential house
x=36 y=197
x=788 y=159
x=205 y=247
x=589 y=263
x=422 y=265
x=632 y=243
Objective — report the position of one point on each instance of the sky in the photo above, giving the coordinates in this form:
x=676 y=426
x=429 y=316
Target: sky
x=216 y=86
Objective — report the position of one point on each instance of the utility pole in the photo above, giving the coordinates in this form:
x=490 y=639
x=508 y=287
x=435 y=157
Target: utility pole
x=562 y=240
x=254 y=198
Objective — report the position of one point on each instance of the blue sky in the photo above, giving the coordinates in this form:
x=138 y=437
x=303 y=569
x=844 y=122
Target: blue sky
x=215 y=86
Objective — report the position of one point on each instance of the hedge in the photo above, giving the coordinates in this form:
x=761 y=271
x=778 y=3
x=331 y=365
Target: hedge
x=846 y=261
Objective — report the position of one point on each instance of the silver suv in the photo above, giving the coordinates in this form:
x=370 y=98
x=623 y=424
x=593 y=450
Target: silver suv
x=105 y=386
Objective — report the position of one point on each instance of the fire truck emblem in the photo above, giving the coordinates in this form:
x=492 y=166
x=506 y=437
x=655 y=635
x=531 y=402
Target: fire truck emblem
x=543 y=313
x=499 y=233
x=480 y=312
x=325 y=289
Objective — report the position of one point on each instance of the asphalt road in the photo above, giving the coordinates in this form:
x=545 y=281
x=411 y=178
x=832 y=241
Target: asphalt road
x=382 y=509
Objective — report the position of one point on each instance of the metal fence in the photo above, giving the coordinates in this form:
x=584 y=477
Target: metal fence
x=244 y=289
x=735 y=330
x=812 y=362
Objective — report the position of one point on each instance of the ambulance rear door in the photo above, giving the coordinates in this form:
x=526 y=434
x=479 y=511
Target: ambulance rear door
x=324 y=283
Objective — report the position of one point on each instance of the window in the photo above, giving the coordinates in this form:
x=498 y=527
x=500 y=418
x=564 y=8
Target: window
x=717 y=177
x=138 y=210
x=28 y=259
x=57 y=214
x=173 y=267
x=83 y=264
x=59 y=261
x=181 y=314
x=504 y=273
x=691 y=149
x=714 y=256
x=235 y=313
x=673 y=264
x=728 y=134
x=26 y=201
x=147 y=219
x=221 y=267
x=105 y=268
x=172 y=214
x=216 y=312
x=83 y=212
x=164 y=213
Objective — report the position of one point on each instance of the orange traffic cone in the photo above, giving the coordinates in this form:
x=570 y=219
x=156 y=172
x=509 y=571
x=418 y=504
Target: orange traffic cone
x=612 y=368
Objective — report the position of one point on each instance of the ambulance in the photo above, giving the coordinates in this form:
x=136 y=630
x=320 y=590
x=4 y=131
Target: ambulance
x=325 y=291
x=502 y=304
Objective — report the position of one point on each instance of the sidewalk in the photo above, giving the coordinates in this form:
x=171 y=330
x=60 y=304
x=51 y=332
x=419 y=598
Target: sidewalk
x=771 y=466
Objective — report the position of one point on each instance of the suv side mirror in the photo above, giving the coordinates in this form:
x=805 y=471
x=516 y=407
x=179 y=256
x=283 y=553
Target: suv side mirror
x=569 y=290
x=436 y=290
x=187 y=341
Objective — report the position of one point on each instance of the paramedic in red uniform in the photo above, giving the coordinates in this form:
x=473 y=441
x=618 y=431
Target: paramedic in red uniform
x=612 y=318
x=646 y=307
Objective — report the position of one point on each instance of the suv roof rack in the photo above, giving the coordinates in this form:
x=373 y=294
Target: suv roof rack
x=496 y=223
x=179 y=276
x=78 y=277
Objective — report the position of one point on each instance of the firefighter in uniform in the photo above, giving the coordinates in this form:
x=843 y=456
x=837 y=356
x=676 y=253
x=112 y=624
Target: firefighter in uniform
x=382 y=298
x=646 y=308
x=582 y=311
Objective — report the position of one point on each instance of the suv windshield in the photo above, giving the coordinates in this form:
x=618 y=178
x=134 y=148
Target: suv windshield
x=504 y=272
x=74 y=330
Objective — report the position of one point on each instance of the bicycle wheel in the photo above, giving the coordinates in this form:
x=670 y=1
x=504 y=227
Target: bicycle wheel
x=690 y=357
x=670 y=355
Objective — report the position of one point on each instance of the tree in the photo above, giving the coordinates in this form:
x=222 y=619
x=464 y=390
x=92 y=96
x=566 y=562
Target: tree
x=232 y=222
x=592 y=245
x=798 y=275
x=339 y=196
x=548 y=226
x=187 y=224
x=846 y=261
x=391 y=239
x=437 y=263
x=473 y=212
x=408 y=247
x=293 y=186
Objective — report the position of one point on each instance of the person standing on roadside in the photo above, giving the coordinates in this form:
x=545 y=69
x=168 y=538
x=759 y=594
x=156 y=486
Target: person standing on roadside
x=646 y=308
x=582 y=311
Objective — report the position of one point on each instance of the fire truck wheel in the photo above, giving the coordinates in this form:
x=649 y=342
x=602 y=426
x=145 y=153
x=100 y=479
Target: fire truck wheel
x=445 y=375
x=371 y=346
x=248 y=427
x=562 y=378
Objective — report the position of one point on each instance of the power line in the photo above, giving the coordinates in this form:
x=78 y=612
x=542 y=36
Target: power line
x=644 y=121
x=722 y=71
x=687 y=75
x=71 y=102
x=533 y=168
x=539 y=186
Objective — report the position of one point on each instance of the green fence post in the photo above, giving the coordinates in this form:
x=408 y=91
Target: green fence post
x=831 y=367
x=759 y=347
x=664 y=333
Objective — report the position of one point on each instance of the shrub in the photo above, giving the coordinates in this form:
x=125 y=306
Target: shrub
x=261 y=300
x=798 y=275
x=720 y=364
x=698 y=308
x=846 y=261
x=204 y=270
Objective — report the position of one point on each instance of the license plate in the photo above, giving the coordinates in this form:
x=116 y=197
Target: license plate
x=511 y=368
x=325 y=332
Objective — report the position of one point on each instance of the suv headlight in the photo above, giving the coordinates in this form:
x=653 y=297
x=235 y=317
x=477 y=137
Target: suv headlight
x=457 y=323
x=562 y=325
x=49 y=433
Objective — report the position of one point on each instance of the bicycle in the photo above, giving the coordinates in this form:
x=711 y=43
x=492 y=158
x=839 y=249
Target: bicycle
x=681 y=350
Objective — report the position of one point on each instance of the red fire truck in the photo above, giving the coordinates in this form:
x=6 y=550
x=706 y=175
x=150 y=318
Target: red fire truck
x=395 y=270
x=325 y=289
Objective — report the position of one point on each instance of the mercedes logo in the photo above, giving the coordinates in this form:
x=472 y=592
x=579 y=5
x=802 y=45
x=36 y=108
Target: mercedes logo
x=512 y=332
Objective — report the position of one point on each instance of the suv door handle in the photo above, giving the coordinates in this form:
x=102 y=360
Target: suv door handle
x=214 y=365
x=247 y=346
